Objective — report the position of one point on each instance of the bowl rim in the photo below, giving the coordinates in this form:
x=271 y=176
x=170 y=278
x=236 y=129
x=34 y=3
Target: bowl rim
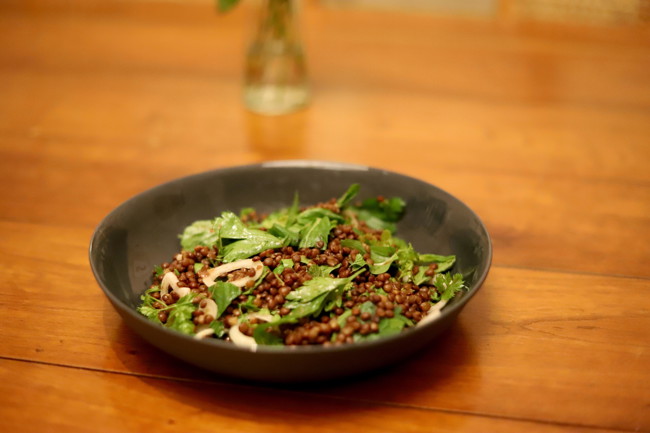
x=289 y=350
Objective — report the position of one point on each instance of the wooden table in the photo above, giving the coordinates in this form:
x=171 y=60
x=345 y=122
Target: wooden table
x=544 y=130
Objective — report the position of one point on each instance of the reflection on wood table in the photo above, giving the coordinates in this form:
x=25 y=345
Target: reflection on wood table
x=543 y=129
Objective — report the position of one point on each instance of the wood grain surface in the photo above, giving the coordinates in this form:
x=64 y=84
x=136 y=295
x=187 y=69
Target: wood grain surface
x=543 y=129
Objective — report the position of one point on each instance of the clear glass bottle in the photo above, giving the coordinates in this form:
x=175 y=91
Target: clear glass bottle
x=276 y=74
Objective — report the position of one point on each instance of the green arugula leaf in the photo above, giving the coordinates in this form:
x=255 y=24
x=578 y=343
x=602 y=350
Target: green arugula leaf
x=322 y=270
x=421 y=277
x=199 y=233
x=249 y=241
x=443 y=262
x=292 y=237
x=380 y=215
x=387 y=327
x=313 y=213
x=231 y=227
x=382 y=257
x=248 y=305
x=249 y=247
x=358 y=263
x=284 y=264
x=314 y=288
x=348 y=195
x=353 y=244
x=263 y=334
x=223 y=294
x=293 y=211
x=218 y=328
x=198 y=267
x=317 y=231
x=313 y=297
x=304 y=309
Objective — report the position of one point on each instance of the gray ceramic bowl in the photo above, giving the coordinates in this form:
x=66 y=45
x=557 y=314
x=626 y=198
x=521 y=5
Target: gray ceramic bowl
x=142 y=232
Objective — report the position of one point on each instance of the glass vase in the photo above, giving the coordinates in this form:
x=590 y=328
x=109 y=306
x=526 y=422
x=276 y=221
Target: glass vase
x=276 y=74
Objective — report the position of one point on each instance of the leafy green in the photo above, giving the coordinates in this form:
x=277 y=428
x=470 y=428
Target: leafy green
x=368 y=307
x=248 y=241
x=149 y=312
x=249 y=247
x=292 y=212
x=147 y=307
x=381 y=214
x=448 y=285
x=180 y=315
x=198 y=267
x=248 y=304
x=443 y=262
x=265 y=335
x=322 y=270
x=358 y=263
x=406 y=257
x=158 y=270
x=317 y=231
x=421 y=276
x=382 y=257
x=244 y=212
x=218 y=328
x=387 y=326
x=314 y=288
x=223 y=294
x=199 y=233
x=313 y=213
x=231 y=227
x=292 y=237
x=353 y=244
x=314 y=296
x=343 y=318
x=284 y=264
x=348 y=195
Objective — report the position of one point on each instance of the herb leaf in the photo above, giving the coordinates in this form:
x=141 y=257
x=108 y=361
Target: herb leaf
x=150 y=312
x=314 y=288
x=249 y=241
x=444 y=262
x=381 y=215
x=223 y=294
x=348 y=195
x=199 y=233
x=317 y=231
x=264 y=335
x=447 y=285
x=218 y=328
x=249 y=247
x=382 y=257
x=180 y=315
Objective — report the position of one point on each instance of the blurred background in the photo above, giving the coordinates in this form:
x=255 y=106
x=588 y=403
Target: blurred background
x=581 y=11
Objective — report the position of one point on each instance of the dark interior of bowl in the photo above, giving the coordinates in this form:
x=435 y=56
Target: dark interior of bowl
x=143 y=232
